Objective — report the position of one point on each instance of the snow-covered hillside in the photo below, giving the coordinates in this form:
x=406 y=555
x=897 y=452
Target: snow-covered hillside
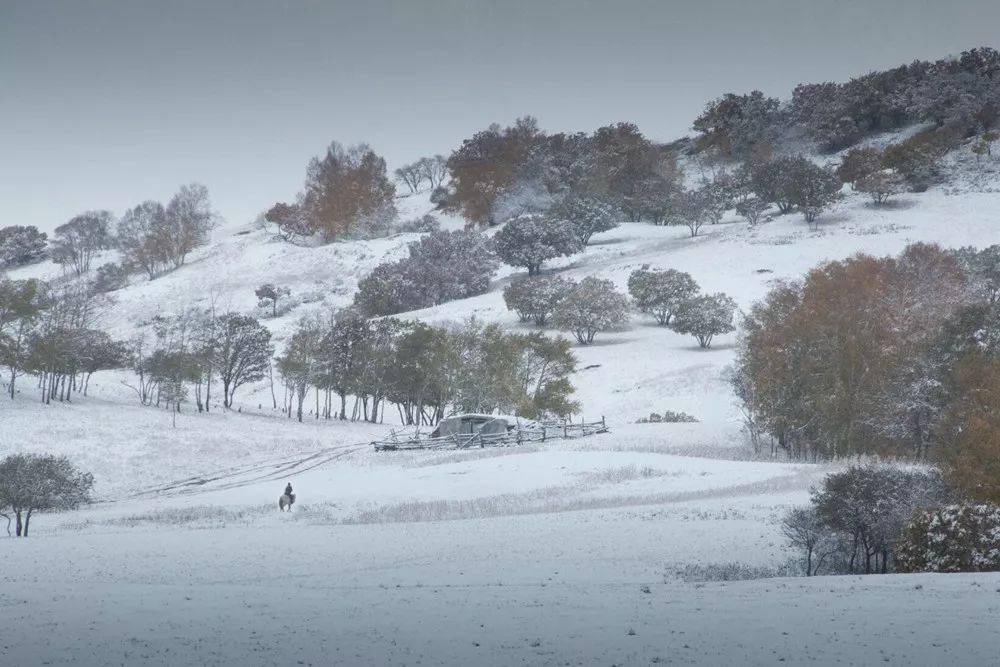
x=569 y=552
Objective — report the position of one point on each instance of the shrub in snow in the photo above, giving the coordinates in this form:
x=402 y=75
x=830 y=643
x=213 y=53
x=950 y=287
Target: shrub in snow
x=530 y=240
x=733 y=571
x=421 y=225
x=668 y=417
x=704 y=317
x=441 y=267
x=109 y=277
x=591 y=306
x=534 y=298
x=32 y=483
x=954 y=538
x=661 y=292
x=21 y=245
x=881 y=185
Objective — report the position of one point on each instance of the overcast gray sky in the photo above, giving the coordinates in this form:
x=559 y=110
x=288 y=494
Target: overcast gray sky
x=104 y=103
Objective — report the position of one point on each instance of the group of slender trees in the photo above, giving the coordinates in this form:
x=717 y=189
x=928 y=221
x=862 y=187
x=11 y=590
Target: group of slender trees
x=424 y=372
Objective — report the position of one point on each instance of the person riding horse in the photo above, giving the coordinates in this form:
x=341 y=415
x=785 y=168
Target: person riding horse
x=288 y=491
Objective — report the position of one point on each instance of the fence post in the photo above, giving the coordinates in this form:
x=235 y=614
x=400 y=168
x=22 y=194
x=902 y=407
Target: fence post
x=565 y=428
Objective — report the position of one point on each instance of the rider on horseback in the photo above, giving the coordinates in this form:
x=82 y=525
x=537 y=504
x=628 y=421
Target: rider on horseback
x=288 y=491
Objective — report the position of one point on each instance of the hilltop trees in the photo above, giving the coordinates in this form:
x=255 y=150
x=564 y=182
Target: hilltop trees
x=530 y=240
x=347 y=194
x=503 y=173
x=153 y=237
x=734 y=124
x=431 y=169
x=21 y=245
x=76 y=242
x=488 y=164
x=31 y=483
x=188 y=218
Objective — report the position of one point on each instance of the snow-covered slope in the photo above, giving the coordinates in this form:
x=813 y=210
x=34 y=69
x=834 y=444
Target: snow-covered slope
x=566 y=552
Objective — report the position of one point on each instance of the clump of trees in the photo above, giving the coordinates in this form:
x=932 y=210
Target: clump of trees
x=794 y=182
x=77 y=241
x=49 y=332
x=426 y=372
x=442 y=266
x=154 y=238
x=20 y=245
x=347 y=194
x=589 y=307
x=432 y=170
x=503 y=173
x=858 y=517
x=735 y=124
x=531 y=240
x=33 y=483
x=878 y=355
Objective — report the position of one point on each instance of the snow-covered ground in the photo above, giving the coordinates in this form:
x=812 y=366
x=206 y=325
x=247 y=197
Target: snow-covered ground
x=563 y=553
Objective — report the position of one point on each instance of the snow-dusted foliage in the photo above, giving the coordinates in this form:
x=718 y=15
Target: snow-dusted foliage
x=31 y=483
x=109 y=277
x=21 y=245
x=736 y=123
x=589 y=307
x=76 y=242
x=953 y=538
x=858 y=516
x=586 y=215
x=795 y=183
x=441 y=266
x=881 y=318
x=696 y=208
x=661 y=293
x=531 y=239
x=534 y=298
x=705 y=317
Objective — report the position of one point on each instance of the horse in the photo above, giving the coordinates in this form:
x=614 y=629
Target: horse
x=285 y=501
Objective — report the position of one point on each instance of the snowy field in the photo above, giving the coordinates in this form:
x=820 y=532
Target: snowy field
x=569 y=553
